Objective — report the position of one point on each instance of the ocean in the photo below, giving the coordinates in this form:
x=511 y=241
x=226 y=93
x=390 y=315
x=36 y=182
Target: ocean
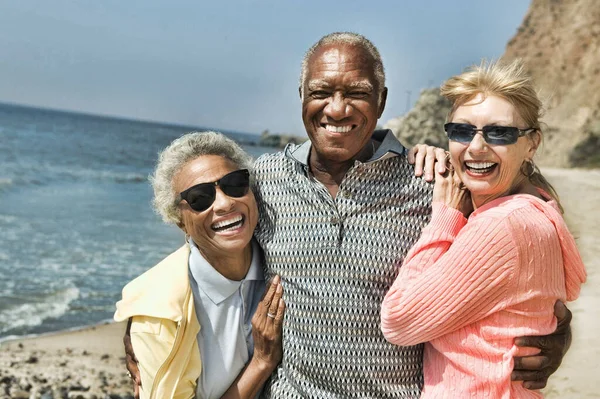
x=76 y=222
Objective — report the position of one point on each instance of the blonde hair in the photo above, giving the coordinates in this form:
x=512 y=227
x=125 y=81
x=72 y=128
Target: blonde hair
x=511 y=82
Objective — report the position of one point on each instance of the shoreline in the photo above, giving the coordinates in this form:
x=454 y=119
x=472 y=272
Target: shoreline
x=10 y=338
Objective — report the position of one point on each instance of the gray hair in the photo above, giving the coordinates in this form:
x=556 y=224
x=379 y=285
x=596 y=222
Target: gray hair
x=181 y=151
x=350 y=39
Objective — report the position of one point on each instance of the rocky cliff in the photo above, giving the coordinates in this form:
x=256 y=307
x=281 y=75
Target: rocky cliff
x=424 y=123
x=559 y=41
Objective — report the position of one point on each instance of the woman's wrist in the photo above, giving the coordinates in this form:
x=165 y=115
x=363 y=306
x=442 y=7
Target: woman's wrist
x=261 y=366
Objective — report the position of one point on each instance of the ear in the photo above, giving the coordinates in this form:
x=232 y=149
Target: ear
x=534 y=141
x=382 y=101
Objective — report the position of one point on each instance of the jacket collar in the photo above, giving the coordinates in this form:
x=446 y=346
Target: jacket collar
x=160 y=292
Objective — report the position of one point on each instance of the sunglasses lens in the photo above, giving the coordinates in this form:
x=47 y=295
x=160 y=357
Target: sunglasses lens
x=501 y=134
x=201 y=197
x=460 y=132
x=236 y=184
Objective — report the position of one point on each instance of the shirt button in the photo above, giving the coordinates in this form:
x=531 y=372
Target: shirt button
x=347 y=194
x=334 y=220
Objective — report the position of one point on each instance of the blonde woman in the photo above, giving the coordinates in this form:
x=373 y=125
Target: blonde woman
x=496 y=255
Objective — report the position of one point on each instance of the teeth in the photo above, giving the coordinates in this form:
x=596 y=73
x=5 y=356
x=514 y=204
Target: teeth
x=479 y=165
x=230 y=228
x=227 y=223
x=338 y=129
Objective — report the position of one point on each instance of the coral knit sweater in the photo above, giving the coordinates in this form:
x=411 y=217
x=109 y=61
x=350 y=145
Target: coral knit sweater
x=468 y=289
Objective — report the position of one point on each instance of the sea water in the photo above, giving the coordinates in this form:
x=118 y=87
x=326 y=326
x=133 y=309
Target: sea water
x=76 y=223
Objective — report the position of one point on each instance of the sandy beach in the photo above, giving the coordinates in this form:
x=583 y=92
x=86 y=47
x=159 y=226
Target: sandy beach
x=88 y=363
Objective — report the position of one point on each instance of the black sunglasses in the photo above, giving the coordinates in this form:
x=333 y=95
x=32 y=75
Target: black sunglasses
x=503 y=135
x=201 y=196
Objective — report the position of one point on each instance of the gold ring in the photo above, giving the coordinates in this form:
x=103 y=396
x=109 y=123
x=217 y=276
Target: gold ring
x=271 y=315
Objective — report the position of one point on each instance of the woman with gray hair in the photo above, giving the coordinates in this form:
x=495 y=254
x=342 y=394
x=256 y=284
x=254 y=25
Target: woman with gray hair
x=197 y=324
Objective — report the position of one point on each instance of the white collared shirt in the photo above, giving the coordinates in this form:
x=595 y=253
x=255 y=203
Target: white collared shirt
x=224 y=309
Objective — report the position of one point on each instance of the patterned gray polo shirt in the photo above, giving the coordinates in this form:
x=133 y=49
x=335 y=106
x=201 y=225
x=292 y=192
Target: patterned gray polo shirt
x=337 y=258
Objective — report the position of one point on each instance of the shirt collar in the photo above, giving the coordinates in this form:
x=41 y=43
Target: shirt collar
x=388 y=146
x=216 y=286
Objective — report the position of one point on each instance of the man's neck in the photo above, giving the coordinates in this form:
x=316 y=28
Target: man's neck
x=331 y=173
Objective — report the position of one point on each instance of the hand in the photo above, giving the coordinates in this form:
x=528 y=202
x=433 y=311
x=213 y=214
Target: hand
x=425 y=158
x=267 y=327
x=450 y=190
x=535 y=370
x=131 y=362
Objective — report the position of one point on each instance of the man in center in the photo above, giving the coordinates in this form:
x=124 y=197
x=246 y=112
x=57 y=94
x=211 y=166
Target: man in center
x=356 y=190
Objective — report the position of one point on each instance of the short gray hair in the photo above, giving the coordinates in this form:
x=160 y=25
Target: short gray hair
x=181 y=151
x=350 y=39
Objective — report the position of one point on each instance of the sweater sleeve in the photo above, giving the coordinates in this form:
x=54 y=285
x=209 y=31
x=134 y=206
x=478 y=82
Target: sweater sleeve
x=452 y=277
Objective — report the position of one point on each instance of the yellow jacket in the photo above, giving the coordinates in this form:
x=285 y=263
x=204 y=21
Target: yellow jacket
x=164 y=328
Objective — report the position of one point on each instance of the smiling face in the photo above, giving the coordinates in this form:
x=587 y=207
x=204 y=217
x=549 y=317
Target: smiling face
x=227 y=226
x=490 y=171
x=341 y=105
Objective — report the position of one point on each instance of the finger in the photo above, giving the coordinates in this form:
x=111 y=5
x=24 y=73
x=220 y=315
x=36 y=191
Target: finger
x=531 y=362
x=419 y=159
x=262 y=309
x=130 y=364
x=563 y=316
x=136 y=391
x=137 y=376
x=266 y=301
x=275 y=302
x=429 y=163
x=535 y=384
x=129 y=351
x=457 y=181
x=530 y=377
x=440 y=157
x=541 y=342
x=411 y=154
x=280 y=313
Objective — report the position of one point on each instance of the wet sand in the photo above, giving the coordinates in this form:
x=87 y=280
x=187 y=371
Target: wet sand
x=88 y=363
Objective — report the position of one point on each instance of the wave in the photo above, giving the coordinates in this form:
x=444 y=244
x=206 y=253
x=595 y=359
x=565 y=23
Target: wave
x=34 y=313
x=42 y=174
x=105 y=175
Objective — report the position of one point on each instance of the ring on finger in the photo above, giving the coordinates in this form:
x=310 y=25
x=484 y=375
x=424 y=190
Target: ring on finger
x=271 y=315
x=129 y=375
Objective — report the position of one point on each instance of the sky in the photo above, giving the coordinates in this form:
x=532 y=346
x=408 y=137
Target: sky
x=230 y=65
